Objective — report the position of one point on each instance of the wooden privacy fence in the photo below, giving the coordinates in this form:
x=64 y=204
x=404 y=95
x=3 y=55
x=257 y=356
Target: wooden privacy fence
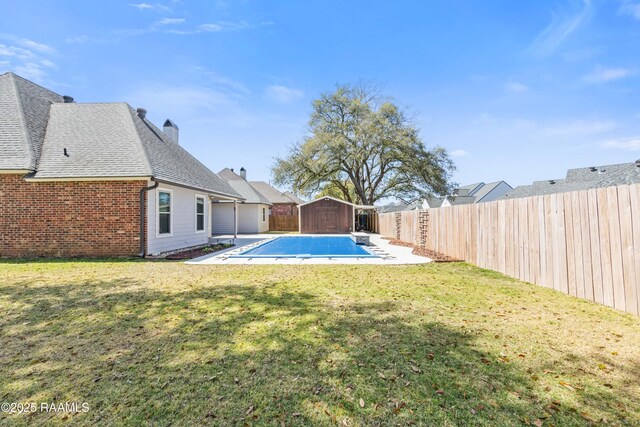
x=409 y=226
x=583 y=243
x=387 y=224
x=283 y=223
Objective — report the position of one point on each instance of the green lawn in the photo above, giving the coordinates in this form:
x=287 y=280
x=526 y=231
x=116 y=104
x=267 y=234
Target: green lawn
x=442 y=344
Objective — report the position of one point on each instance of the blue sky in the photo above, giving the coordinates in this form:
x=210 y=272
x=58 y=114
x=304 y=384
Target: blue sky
x=515 y=90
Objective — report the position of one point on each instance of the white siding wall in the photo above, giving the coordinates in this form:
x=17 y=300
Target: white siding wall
x=222 y=218
x=183 y=218
x=249 y=218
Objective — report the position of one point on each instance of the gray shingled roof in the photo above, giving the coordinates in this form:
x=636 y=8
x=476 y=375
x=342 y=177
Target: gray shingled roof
x=461 y=200
x=392 y=207
x=101 y=140
x=272 y=194
x=110 y=140
x=582 y=179
x=170 y=162
x=297 y=200
x=242 y=187
x=24 y=111
x=435 y=202
x=486 y=189
x=469 y=190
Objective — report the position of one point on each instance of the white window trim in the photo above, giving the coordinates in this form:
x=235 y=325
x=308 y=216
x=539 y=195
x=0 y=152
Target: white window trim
x=171 y=213
x=264 y=214
x=204 y=214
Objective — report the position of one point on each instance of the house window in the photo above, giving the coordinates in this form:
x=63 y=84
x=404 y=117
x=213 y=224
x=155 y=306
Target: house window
x=199 y=213
x=164 y=212
x=264 y=214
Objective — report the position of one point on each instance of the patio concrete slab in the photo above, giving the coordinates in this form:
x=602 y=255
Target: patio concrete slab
x=389 y=254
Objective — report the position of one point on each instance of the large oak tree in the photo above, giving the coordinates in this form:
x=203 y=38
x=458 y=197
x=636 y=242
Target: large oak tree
x=364 y=148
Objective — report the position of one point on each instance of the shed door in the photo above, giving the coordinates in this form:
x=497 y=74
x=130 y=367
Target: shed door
x=327 y=220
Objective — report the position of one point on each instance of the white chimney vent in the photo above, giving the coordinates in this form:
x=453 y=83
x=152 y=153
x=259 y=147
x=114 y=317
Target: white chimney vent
x=171 y=130
x=243 y=173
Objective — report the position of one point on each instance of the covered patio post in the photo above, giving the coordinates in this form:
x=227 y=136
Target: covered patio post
x=235 y=218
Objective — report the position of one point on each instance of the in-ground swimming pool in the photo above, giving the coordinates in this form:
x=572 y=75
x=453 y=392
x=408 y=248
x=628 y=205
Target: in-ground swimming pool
x=308 y=247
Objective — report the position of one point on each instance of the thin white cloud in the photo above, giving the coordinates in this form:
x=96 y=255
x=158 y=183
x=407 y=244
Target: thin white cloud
x=29 y=44
x=631 y=8
x=282 y=94
x=194 y=105
x=623 y=144
x=38 y=47
x=16 y=52
x=459 y=153
x=26 y=57
x=516 y=87
x=562 y=25
x=603 y=75
x=31 y=71
x=78 y=39
x=48 y=64
x=171 y=21
x=216 y=27
x=141 y=6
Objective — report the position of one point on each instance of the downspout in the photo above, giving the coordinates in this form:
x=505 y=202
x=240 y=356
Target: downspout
x=143 y=251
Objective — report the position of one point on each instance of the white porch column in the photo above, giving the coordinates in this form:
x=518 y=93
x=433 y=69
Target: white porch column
x=235 y=219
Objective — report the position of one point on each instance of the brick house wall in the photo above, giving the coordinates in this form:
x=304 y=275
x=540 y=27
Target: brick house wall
x=282 y=209
x=70 y=218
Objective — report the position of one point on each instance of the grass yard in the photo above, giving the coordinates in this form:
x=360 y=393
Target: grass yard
x=165 y=343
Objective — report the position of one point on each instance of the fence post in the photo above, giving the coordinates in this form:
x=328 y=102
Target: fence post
x=398 y=224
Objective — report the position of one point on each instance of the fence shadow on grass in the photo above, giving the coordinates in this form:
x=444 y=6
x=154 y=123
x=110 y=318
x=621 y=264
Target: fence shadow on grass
x=229 y=355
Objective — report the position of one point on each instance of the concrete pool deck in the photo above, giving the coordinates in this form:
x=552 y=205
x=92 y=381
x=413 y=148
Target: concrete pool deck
x=389 y=254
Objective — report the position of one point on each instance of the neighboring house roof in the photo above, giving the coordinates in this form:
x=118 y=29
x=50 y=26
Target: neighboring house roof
x=460 y=200
x=469 y=190
x=435 y=202
x=582 y=179
x=297 y=200
x=242 y=186
x=483 y=191
x=413 y=206
x=270 y=193
x=24 y=112
x=392 y=207
x=98 y=140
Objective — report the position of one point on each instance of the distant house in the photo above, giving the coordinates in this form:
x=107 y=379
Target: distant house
x=252 y=212
x=477 y=193
x=282 y=203
x=468 y=194
x=392 y=207
x=96 y=179
x=582 y=179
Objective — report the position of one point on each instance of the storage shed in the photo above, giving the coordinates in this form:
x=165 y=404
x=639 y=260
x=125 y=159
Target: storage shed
x=328 y=215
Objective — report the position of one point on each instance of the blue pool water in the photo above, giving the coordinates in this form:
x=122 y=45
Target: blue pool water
x=307 y=247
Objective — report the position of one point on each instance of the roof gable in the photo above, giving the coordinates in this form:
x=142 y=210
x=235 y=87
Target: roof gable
x=242 y=187
x=92 y=140
x=271 y=193
x=295 y=199
x=24 y=112
x=170 y=162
